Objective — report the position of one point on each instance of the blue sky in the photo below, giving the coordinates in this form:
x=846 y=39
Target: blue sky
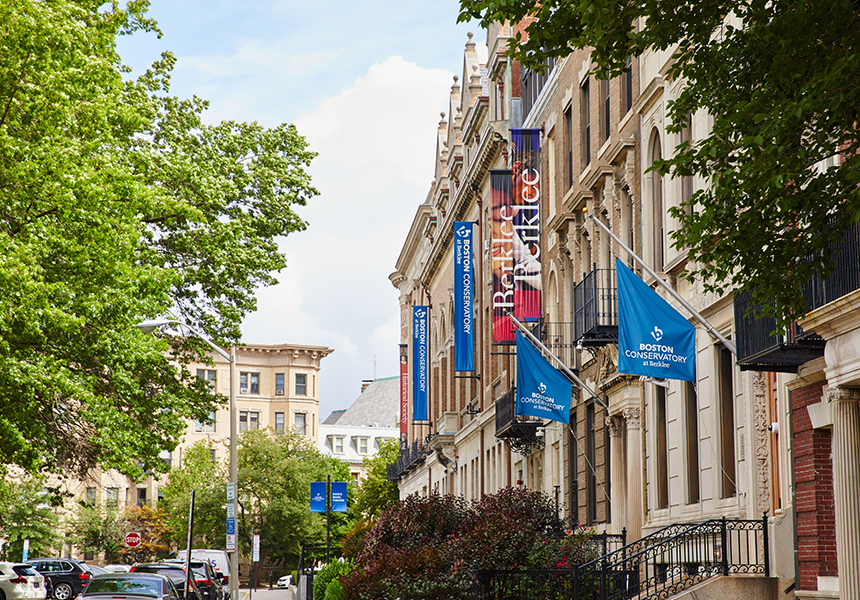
x=365 y=83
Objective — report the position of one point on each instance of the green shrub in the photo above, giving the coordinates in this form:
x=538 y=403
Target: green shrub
x=328 y=574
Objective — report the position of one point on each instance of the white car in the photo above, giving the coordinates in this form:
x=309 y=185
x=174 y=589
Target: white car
x=20 y=581
x=117 y=568
x=285 y=581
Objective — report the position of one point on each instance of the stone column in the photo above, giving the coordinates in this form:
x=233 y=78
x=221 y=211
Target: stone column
x=617 y=475
x=634 y=474
x=846 y=483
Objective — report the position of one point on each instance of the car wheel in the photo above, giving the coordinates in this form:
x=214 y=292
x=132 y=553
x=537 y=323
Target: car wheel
x=62 y=591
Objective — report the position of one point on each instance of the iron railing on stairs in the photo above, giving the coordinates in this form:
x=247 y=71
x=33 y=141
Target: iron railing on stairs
x=654 y=567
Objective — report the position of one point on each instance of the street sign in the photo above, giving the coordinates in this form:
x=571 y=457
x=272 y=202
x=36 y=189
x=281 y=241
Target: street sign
x=231 y=510
x=26 y=550
x=231 y=526
x=256 y=557
x=231 y=491
x=132 y=540
x=231 y=542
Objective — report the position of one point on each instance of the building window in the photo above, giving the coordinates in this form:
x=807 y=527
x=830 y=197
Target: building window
x=568 y=148
x=604 y=108
x=248 y=420
x=91 y=496
x=164 y=455
x=207 y=425
x=208 y=375
x=361 y=445
x=301 y=384
x=212 y=456
x=249 y=383
x=337 y=444
x=657 y=202
x=112 y=497
x=141 y=496
x=590 y=457
x=727 y=420
x=301 y=423
x=661 y=426
x=692 y=422
x=585 y=116
x=279 y=384
x=627 y=88
x=279 y=422
x=687 y=180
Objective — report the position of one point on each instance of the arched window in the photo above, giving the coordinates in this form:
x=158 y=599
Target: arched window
x=657 y=205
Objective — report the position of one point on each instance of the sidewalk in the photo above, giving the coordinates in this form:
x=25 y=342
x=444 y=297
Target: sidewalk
x=264 y=593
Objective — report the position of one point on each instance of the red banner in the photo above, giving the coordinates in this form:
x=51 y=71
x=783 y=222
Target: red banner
x=404 y=395
x=502 y=255
x=527 y=225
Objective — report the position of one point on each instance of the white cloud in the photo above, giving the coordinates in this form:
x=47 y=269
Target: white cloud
x=376 y=141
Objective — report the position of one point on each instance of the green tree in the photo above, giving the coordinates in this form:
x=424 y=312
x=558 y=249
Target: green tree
x=781 y=81
x=98 y=528
x=208 y=479
x=117 y=203
x=27 y=513
x=375 y=493
x=275 y=474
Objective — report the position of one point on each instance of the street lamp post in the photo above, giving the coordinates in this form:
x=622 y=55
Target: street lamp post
x=149 y=327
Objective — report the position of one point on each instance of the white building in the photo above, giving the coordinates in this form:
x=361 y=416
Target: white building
x=353 y=434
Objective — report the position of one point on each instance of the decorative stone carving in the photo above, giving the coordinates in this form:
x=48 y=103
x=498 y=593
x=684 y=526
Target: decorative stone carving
x=447 y=455
x=761 y=444
x=615 y=426
x=632 y=417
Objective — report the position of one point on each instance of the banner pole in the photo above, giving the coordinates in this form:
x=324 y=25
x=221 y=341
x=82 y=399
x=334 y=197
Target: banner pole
x=710 y=328
x=536 y=342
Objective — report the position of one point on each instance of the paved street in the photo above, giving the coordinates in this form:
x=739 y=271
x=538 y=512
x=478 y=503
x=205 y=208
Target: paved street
x=264 y=593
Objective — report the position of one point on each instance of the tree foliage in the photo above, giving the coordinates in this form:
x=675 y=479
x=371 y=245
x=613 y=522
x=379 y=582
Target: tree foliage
x=780 y=80
x=98 y=528
x=118 y=203
x=425 y=548
x=208 y=479
x=26 y=513
x=375 y=493
x=275 y=475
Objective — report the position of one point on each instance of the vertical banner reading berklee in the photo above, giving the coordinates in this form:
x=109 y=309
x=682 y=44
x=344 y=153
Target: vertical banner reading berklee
x=419 y=362
x=464 y=345
x=501 y=255
x=527 y=227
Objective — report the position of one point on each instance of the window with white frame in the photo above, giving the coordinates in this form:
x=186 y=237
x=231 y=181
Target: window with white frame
x=361 y=445
x=336 y=444
x=208 y=375
x=205 y=426
x=301 y=384
x=249 y=383
x=279 y=423
x=248 y=420
x=301 y=423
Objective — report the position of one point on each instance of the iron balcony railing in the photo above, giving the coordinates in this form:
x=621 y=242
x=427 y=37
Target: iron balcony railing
x=654 y=567
x=762 y=348
x=559 y=338
x=518 y=431
x=595 y=308
x=410 y=457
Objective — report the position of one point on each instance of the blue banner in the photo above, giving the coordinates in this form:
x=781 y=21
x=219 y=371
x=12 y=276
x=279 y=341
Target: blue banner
x=541 y=390
x=653 y=339
x=318 y=496
x=338 y=496
x=464 y=333
x=420 y=358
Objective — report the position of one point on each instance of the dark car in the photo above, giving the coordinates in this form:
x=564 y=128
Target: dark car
x=130 y=586
x=208 y=580
x=175 y=573
x=68 y=577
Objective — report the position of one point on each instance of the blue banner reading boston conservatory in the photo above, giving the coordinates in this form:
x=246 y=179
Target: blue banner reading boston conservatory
x=464 y=346
x=653 y=339
x=541 y=390
x=419 y=363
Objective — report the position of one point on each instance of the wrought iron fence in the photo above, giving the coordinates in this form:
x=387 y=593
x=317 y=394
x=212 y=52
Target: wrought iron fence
x=653 y=567
x=595 y=308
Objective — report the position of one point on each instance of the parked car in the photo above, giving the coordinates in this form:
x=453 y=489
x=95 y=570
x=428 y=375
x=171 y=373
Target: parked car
x=208 y=580
x=20 y=581
x=174 y=572
x=285 y=582
x=219 y=559
x=97 y=570
x=117 y=568
x=130 y=586
x=68 y=577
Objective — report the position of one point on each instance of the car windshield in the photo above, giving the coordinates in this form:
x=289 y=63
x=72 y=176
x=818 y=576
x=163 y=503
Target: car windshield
x=142 y=586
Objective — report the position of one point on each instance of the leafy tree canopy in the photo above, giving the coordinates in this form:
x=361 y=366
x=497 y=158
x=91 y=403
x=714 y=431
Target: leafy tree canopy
x=275 y=475
x=26 y=513
x=98 y=528
x=780 y=80
x=376 y=492
x=118 y=203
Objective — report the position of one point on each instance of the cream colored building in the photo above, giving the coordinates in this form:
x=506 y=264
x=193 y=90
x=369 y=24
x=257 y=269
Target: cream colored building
x=278 y=388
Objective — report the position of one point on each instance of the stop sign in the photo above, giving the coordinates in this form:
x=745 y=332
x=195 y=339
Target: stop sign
x=132 y=539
